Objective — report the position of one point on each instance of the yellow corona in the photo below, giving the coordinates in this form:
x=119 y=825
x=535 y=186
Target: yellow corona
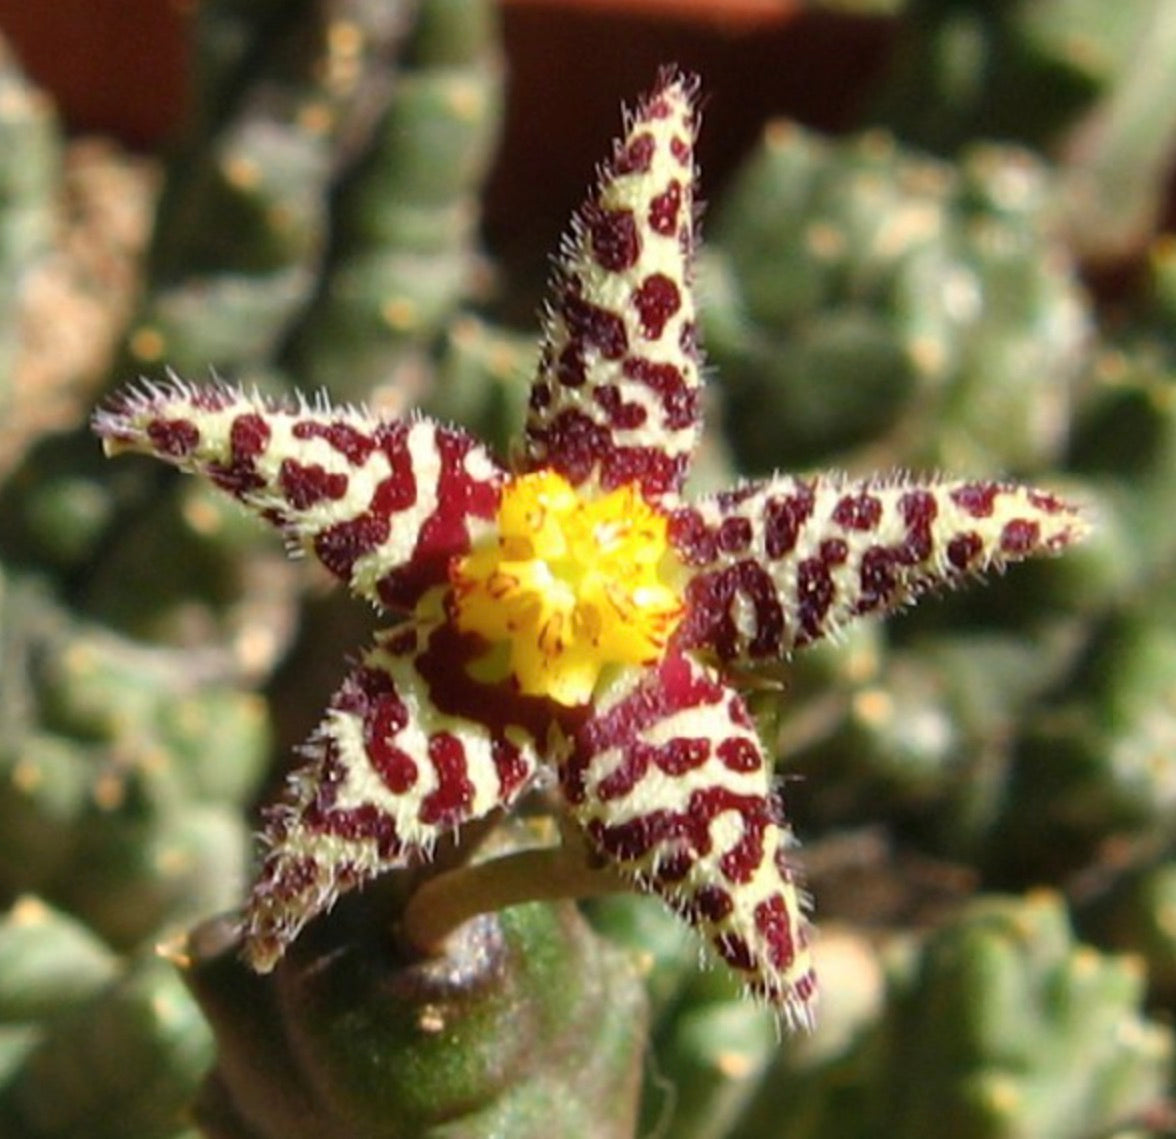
x=569 y=584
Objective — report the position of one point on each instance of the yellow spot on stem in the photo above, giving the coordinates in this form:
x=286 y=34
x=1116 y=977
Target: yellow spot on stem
x=241 y=173
x=400 y=314
x=28 y=911
x=148 y=343
x=569 y=584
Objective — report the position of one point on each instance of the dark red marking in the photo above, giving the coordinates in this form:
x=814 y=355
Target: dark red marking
x=570 y=369
x=815 y=592
x=734 y=535
x=739 y=754
x=450 y=803
x=680 y=149
x=771 y=919
x=354 y=445
x=976 y=499
x=1019 y=537
x=713 y=903
x=395 y=767
x=664 y=209
x=677 y=756
x=369 y=694
x=656 y=300
x=444 y=535
x=340 y=546
x=322 y=816
x=575 y=446
x=304 y=486
x=740 y=862
x=709 y=620
x=674 y=757
x=396 y=493
x=385 y=718
x=732 y=498
x=363 y=823
x=834 y=551
x=738 y=712
x=784 y=516
x=592 y=325
x=919 y=510
x=511 y=767
x=964 y=549
x=1046 y=502
x=671 y=687
x=678 y=399
x=615 y=240
x=443 y=665
x=621 y=415
x=248 y=437
x=735 y=951
x=636 y=157
x=878 y=578
x=858 y=511
x=626 y=775
x=671 y=868
x=692 y=539
x=631 y=841
x=174 y=437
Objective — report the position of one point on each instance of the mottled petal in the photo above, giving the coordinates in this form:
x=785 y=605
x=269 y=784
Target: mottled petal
x=617 y=393
x=389 y=773
x=783 y=563
x=382 y=504
x=669 y=781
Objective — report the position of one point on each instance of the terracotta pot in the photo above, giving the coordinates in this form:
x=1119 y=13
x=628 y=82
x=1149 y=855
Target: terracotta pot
x=114 y=66
x=572 y=62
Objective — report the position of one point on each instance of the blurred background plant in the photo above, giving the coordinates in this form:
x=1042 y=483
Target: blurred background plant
x=940 y=235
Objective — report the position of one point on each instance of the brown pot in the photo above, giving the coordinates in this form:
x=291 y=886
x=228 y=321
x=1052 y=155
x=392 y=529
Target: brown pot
x=571 y=62
x=114 y=66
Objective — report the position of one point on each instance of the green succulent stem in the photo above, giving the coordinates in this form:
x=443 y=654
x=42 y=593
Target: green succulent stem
x=448 y=900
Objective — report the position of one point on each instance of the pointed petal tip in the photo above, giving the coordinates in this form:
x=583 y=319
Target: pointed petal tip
x=1029 y=522
x=616 y=397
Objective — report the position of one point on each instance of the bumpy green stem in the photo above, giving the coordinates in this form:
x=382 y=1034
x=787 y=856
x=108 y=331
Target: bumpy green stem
x=446 y=901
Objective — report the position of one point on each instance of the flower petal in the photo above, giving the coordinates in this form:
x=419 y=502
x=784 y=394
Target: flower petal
x=617 y=394
x=382 y=504
x=389 y=774
x=670 y=784
x=782 y=563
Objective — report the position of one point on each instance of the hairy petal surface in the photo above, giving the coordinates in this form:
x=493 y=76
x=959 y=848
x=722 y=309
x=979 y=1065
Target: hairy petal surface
x=780 y=564
x=670 y=784
x=389 y=773
x=617 y=393
x=382 y=504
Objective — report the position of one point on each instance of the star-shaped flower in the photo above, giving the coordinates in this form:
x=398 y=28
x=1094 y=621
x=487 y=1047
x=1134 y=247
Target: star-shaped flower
x=572 y=612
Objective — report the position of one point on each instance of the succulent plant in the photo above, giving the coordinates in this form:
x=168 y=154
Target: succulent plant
x=858 y=290
x=865 y=306
x=999 y=1021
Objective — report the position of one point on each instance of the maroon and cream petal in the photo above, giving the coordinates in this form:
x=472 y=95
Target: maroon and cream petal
x=616 y=397
x=383 y=504
x=670 y=784
x=389 y=774
x=780 y=564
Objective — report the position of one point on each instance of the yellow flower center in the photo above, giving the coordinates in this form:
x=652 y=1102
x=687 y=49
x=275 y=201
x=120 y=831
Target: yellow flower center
x=567 y=586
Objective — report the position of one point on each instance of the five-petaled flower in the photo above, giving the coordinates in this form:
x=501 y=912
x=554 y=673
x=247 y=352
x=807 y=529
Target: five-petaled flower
x=573 y=613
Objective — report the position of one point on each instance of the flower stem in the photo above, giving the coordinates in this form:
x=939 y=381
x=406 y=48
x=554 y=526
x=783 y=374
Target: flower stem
x=448 y=900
